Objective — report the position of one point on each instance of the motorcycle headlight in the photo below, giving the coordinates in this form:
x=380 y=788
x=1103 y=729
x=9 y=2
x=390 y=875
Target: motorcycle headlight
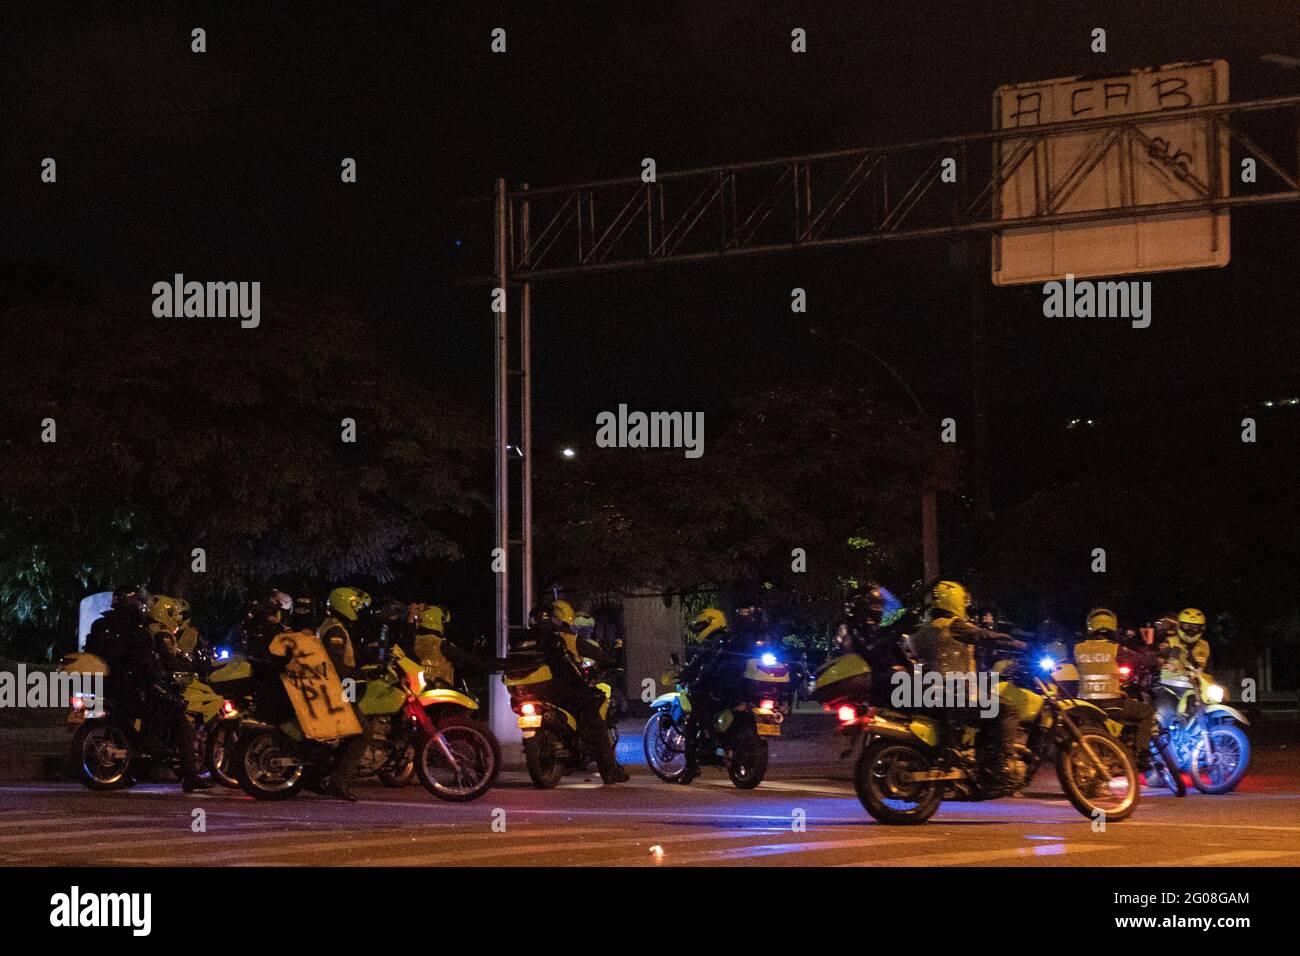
x=768 y=659
x=1214 y=694
x=1047 y=664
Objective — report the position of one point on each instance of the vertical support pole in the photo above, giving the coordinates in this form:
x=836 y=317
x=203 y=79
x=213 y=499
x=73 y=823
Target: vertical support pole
x=526 y=426
x=978 y=279
x=503 y=724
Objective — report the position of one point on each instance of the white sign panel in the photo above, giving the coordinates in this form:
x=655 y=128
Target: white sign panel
x=1112 y=168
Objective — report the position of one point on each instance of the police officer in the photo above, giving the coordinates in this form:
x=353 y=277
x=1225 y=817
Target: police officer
x=1097 y=658
x=864 y=610
x=946 y=643
x=349 y=611
x=565 y=652
x=142 y=649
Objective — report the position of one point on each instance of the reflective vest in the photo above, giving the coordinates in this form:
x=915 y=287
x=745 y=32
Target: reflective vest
x=1098 y=665
x=428 y=649
x=939 y=651
x=333 y=633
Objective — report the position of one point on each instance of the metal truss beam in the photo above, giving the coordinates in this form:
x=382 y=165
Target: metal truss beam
x=875 y=194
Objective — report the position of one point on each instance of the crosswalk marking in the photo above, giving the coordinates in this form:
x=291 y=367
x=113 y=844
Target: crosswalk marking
x=631 y=844
x=1228 y=857
x=962 y=857
x=400 y=839
x=731 y=854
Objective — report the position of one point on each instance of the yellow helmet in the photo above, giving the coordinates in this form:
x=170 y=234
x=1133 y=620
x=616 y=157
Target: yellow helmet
x=562 y=611
x=432 y=620
x=707 y=622
x=949 y=597
x=165 y=610
x=1191 y=624
x=1102 y=619
x=348 y=602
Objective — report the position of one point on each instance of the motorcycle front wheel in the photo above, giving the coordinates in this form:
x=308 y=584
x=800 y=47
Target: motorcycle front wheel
x=1098 y=775
x=468 y=767
x=266 y=768
x=880 y=781
x=748 y=764
x=103 y=751
x=666 y=749
x=1220 y=771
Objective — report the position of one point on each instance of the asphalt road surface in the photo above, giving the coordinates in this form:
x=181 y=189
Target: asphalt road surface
x=645 y=823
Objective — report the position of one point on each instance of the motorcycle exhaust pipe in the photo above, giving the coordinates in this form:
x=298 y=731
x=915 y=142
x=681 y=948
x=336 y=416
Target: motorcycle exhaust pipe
x=885 y=727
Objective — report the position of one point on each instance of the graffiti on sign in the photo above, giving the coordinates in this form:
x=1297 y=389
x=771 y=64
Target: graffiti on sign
x=314 y=687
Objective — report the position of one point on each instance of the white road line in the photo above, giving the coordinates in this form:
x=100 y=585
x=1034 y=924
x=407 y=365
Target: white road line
x=1202 y=824
x=732 y=854
x=40 y=835
x=403 y=840
x=637 y=844
x=962 y=857
x=1227 y=857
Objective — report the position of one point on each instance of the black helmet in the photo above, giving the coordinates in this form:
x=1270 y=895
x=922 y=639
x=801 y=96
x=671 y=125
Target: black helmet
x=129 y=597
x=540 y=616
x=865 y=605
x=270 y=603
x=304 y=606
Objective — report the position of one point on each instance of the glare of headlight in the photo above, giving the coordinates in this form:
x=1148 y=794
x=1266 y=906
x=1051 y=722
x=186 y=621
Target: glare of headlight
x=769 y=660
x=1047 y=664
x=1214 y=693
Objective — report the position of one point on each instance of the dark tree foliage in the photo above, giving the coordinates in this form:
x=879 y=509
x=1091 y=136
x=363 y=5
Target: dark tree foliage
x=821 y=468
x=176 y=434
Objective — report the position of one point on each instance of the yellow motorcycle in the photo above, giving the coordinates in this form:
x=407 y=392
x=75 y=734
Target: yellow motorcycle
x=1205 y=733
x=112 y=740
x=456 y=758
x=552 y=745
x=911 y=762
x=677 y=743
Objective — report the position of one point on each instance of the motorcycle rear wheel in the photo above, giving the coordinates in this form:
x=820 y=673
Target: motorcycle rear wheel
x=1165 y=765
x=253 y=766
x=748 y=764
x=542 y=757
x=97 y=767
x=876 y=778
x=219 y=755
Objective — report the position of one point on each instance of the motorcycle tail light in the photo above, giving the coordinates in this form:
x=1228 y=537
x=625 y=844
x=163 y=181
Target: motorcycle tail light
x=1125 y=670
x=228 y=708
x=767 y=704
x=848 y=714
x=528 y=710
x=78 y=702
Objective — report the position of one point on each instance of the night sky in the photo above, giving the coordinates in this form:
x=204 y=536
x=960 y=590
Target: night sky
x=225 y=165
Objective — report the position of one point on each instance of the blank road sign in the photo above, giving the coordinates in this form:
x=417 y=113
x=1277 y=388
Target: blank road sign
x=1114 y=167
